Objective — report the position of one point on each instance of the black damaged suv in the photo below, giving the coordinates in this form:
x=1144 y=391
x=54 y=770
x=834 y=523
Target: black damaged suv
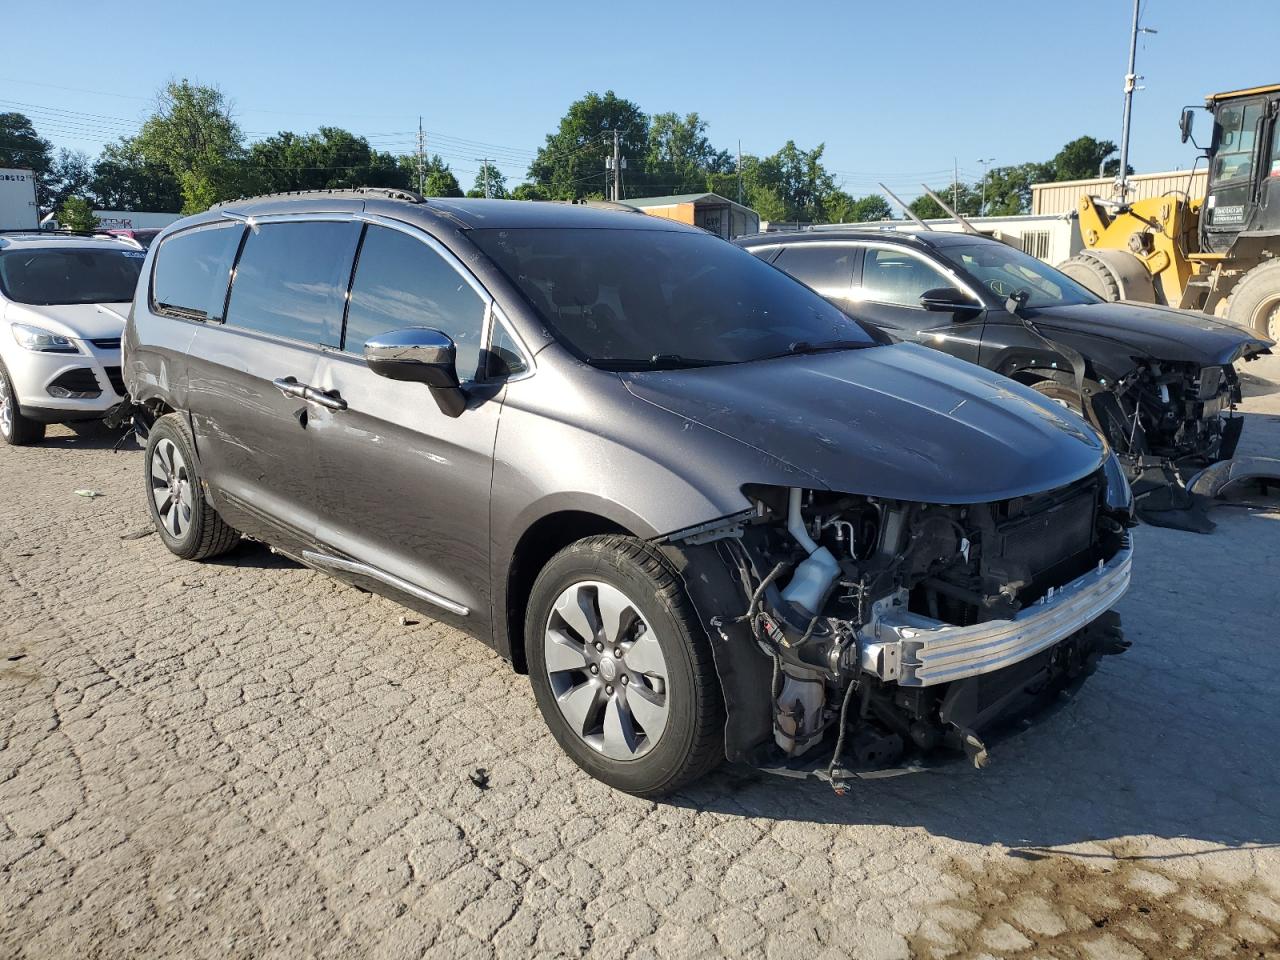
x=1159 y=383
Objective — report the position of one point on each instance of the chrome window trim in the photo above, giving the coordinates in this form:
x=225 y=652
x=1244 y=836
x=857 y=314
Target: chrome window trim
x=500 y=317
x=154 y=308
x=492 y=312
x=827 y=292
x=941 y=267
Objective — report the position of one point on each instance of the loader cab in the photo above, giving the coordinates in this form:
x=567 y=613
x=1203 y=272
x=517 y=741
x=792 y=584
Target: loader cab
x=1243 y=194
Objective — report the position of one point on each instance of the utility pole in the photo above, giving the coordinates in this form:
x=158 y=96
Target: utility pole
x=739 y=171
x=422 y=143
x=617 y=167
x=616 y=163
x=1130 y=84
x=484 y=161
x=955 y=182
x=982 y=210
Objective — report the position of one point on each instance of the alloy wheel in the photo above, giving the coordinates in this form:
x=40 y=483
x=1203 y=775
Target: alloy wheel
x=606 y=669
x=171 y=488
x=1269 y=319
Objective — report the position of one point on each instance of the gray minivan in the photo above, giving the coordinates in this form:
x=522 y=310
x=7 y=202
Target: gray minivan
x=710 y=514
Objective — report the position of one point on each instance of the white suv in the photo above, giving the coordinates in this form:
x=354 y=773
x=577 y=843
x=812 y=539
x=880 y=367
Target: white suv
x=63 y=303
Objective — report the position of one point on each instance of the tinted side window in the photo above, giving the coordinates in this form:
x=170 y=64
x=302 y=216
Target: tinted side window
x=890 y=276
x=401 y=282
x=827 y=269
x=504 y=356
x=291 y=280
x=193 y=269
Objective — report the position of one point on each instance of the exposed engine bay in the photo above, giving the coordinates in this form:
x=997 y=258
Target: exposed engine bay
x=854 y=633
x=1176 y=412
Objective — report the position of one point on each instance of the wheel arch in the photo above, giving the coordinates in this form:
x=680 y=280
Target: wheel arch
x=541 y=540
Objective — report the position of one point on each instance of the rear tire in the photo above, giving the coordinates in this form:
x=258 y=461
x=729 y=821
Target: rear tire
x=1255 y=301
x=1092 y=274
x=185 y=520
x=15 y=429
x=621 y=667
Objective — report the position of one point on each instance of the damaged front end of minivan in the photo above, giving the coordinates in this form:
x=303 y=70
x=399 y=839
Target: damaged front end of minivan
x=855 y=635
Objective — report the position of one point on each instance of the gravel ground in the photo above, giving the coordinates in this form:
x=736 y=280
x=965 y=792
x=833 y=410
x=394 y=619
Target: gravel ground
x=246 y=759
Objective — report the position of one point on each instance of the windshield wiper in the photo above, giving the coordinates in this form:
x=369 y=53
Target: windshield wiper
x=659 y=361
x=825 y=346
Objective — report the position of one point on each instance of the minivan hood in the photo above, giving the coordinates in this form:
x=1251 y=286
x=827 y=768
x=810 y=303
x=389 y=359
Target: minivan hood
x=899 y=421
x=1159 y=333
x=80 y=321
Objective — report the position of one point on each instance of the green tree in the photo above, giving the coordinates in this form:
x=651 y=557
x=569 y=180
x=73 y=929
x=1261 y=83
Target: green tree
x=681 y=157
x=76 y=213
x=1008 y=189
x=842 y=208
x=497 y=183
x=439 y=180
x=529 y=191
x=124 y=180
x=1081 y=158
x=193 y=133
x=571 y=165
x=71 y=175
x=22 y=148
x=331 y=158
x=962 y=197
x=800 y=180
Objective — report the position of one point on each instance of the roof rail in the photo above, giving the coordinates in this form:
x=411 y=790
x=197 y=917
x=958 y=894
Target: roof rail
x=390 y=193
x=68 y=234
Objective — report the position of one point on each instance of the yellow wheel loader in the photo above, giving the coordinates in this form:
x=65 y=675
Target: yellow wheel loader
x=1221 y=254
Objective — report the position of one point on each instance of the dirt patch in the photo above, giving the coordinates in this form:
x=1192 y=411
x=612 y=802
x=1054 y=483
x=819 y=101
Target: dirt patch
x=1046 y=904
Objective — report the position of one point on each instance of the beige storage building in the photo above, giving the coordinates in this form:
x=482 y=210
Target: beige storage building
x=710 y=211
x=1057 y=199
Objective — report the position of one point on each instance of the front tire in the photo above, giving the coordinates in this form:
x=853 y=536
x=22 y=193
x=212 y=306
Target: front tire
x=186 y=522
x=621 y=667
x=1255 y=301
x=15 y=429
x=1060 y=393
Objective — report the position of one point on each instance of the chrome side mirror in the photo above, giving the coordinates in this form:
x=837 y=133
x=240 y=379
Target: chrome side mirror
x=419 y=355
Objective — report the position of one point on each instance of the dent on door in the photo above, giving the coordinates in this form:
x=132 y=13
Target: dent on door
x=252 y=438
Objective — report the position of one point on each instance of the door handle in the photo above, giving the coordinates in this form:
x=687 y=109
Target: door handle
x=325 y=398
x=290 y=387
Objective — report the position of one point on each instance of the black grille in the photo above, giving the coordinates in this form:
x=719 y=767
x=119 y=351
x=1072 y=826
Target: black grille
x=117 y=379
x=109 y=343
x=80 y=380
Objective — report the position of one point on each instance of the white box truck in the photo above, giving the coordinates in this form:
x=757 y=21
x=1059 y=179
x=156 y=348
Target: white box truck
x=18 y=209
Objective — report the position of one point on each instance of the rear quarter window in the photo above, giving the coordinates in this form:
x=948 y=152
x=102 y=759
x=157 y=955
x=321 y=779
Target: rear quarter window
x=192 y=271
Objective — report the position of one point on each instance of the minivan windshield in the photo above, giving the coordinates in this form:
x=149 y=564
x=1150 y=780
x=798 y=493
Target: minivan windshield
x=661 y=299
x=1004 y=270
x=44 y=277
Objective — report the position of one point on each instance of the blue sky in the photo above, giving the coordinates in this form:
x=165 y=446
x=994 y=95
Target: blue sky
x=896 y=90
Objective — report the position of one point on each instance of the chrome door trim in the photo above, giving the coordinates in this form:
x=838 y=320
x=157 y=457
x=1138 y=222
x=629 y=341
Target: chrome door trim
x=937 y=264
x=390 y=579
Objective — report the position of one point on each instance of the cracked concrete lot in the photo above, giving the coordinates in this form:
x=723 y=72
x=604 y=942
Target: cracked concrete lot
x=246 y=759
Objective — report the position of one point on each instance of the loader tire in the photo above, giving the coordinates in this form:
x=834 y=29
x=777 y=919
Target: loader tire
x=1092 y=274
x=1255 y=301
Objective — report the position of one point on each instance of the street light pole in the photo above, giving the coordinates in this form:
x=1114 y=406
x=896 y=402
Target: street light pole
x=982 y=210
x=1130 y=84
